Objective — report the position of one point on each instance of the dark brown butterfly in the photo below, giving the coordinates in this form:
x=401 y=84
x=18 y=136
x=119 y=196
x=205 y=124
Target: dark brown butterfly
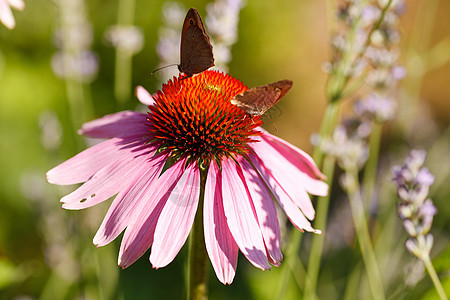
x=256 y=101
x=196 y=49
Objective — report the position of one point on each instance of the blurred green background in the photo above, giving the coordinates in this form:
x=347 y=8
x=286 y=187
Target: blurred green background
x=47 y=253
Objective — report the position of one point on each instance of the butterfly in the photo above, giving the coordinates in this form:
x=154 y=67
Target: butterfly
x=256 y=101
x=196 y=53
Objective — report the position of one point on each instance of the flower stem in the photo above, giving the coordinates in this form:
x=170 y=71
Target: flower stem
x=352 y=284
x=197 y=277
x=372 y=162
x=434 y=277
x=78 y=93
x=291 y=263
x=329 y=121
x=362 y=232
x=338 y=80
x=122 y=76
x=331 y=115
x=317 y=242
x=79 y=107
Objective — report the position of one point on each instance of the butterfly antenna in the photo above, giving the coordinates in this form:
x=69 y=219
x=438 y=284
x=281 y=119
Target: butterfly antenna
x=163 y=68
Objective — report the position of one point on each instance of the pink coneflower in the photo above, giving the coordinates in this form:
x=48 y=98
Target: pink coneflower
x=192 y=147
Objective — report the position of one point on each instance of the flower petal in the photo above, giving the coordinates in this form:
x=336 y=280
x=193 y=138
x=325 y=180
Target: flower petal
x=177 y=218
x=108 y=181
x=123 y=208
x=296 y=156
x=125 y=123
x=6 y=16
x=17 y=4
x=220 y=244
x=144 y=96
x=265 y=211
x=241 y=216
x=140 y=232
x=292 y=180
x=84 y=165
x=287 y=204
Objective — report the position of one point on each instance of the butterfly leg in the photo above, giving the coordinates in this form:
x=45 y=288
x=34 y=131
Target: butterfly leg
x=273 y=123
x=204 y=79
x=181 y=87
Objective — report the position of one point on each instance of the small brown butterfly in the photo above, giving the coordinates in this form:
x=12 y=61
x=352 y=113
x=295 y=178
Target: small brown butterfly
x=196 y=49
x=256 y=101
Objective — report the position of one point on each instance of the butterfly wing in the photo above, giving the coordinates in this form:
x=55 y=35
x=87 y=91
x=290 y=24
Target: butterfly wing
x=256 y=101
x=196 y=49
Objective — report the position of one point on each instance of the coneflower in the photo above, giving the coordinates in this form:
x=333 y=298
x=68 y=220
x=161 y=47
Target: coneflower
x=193 y=148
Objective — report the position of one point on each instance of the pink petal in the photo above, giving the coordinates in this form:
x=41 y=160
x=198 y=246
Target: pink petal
x=290 y=208
x=177 y=218
x=220 y=244
x=108 y=181
x=123 y=208
x=241 y=216
x=265 y=211
x=292 y=180
x=17 y=4
x=6 y=16
x=303 y=162
x=296 y=156
x=84 y=165
x=125 y=123
x=140 y=232
x=144 y=96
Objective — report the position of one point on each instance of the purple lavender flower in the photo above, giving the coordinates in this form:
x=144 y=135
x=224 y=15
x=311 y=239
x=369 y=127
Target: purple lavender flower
x=376 y=106
x=415 y=208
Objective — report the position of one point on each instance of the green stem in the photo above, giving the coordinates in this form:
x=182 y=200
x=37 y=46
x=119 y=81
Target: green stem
x=317 y=241
x=372 y=162
x=123 y=75
x=338 y=80
x=352 y=284
x=77 y=107
x=78 y=95
x=197 y=277
x=434 y=277
x=329 y=121
x=293 y=264
x=438 y=56
x=331 y=115
x=372 y=30
x=362 y=232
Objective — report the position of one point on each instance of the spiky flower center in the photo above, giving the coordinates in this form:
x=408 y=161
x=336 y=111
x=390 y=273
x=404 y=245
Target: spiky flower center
x=193 y=118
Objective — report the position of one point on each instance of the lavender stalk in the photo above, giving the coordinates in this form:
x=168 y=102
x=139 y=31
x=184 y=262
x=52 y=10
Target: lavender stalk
x=417 y=210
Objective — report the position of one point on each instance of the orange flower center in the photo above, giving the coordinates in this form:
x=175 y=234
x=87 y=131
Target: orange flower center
x=194 y=118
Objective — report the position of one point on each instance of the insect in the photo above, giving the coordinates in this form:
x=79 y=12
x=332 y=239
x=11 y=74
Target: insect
x=196 y=53
x=256 y=101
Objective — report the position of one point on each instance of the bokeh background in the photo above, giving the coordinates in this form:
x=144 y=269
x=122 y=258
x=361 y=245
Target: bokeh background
x=47 y=253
